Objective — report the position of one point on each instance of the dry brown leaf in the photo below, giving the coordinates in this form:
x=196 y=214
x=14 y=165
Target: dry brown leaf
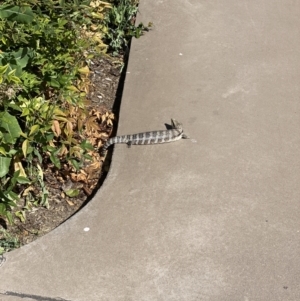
x=91 y=119
x=63 y=150
x=27 y=190
x=18 y=166
x=70 y=202
x=92 y=140
x=70 y=127
x=104 y=135
x=83 y=172
x=80 y=124
x=92 y=169
x=94 y=27
x=98 y=114
x=59 y=178
x=56 y=128
x=72 y=111
x=99 y=144
x=91 y=124
x=84 y=84
x=103 y=118
x=79 y=177
x=94 y=166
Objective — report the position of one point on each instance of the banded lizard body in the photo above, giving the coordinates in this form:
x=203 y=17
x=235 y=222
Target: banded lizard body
x=153 y=137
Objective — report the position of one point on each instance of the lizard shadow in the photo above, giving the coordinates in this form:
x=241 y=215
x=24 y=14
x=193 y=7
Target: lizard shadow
x=168 y=126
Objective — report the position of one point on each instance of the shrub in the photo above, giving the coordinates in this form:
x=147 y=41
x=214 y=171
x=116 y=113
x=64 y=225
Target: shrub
x=44 y=50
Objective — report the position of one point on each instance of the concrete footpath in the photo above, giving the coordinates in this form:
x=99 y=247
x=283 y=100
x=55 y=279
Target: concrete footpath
x=216 y=217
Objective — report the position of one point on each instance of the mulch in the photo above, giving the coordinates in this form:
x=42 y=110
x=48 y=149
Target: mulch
x=105 y=90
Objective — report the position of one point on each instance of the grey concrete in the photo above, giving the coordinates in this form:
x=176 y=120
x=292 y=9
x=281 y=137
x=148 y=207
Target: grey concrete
x=213 y=218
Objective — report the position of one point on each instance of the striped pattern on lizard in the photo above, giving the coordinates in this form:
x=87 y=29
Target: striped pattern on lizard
x=153 y=137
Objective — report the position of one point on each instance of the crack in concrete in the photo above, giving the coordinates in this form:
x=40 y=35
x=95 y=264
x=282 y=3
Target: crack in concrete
x=33 y=297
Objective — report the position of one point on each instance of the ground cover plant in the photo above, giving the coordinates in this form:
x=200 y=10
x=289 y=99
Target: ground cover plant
x=52 y=119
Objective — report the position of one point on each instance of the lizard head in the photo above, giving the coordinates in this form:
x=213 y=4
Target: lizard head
x=176 y=125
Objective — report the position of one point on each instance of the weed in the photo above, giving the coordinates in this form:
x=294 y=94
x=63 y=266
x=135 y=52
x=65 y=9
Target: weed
x=8 y=242
x=120 y=22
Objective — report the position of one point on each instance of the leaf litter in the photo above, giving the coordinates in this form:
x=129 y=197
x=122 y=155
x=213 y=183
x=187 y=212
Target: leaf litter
x=69 y=189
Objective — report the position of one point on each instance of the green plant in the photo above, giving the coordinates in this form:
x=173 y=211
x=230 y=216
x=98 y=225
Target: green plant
x=120 y=22
x=45 y=47
x=8 y=242
x=43 y=54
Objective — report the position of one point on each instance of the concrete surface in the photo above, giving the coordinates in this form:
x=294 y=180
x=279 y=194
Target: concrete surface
x=211 y=218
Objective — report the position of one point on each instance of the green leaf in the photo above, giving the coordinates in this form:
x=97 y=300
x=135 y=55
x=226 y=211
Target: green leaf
x=2 y=209
x=51 y=148
x=9 y=217
x=15 y=107
x=13 y=181
x=37 y=153
x=88 y=157
x=12 y=152
x=4 y=199
x=34 y=129
x=2 y=151
x=3 y=69
x=14 y=79
x=13 y=196
x=21 y=215
x=25 y=145
x=23 y=180
x=86 y=145
x=16 y=61
x=75 y=164
x=54 y=83
x=4 y=166
x=55 y=160
x=72 y=192
x=11 y=126
x=25 y=112
x=40 y=172
x=17 y=13
x=22 y=56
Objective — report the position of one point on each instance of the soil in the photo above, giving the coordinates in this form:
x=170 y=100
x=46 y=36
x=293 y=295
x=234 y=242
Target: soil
x=105 y=91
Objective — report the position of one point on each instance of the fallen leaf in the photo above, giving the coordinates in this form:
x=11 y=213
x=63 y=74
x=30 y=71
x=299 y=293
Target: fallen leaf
x=72 y=193
x=70 y=203
x=84 y=70
x=27 y=190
